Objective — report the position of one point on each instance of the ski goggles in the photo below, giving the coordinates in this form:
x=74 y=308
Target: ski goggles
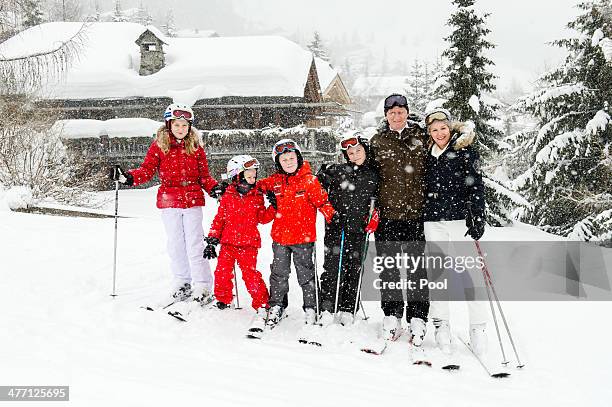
x=251 y=164
x=349 y=142
x=285 y=147
x=181 y=114
x=395 y=100
x=432 y=117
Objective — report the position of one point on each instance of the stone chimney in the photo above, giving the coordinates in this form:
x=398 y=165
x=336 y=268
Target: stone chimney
x=151 y=53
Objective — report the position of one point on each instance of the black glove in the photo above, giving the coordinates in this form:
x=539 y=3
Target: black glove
x=475 y=224
x=338 y=219
x=218 y=190
x=272 y=199
x=116 y=173
x=209 y=250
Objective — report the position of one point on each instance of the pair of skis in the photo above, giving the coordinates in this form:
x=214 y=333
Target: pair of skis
x=178 y=315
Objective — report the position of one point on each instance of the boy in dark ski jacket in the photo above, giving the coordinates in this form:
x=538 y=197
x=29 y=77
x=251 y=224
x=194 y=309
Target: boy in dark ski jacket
x=296 y=195
x=350 y=187
x=241 y=209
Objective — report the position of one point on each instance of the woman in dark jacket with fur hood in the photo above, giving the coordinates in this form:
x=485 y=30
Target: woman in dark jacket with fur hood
x=454 y=200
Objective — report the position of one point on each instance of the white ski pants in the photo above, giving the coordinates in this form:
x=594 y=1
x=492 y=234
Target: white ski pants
x=186 y=245
x=446 y=233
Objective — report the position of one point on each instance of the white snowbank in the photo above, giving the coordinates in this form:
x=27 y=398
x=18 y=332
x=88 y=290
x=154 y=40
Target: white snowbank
x=19 y=197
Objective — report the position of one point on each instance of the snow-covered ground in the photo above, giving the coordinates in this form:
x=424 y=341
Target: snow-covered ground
x=61 y=327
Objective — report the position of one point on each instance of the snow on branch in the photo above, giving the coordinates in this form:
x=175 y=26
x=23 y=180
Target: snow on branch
x=24 y=73
x=597 y=123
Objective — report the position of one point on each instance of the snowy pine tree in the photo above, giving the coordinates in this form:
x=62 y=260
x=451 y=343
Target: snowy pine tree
x=467 y=73
x=118 y=15
x=463 y=84
x=32 y=14
x=317 y=47
x=169 y=27
x=570 y=171
x=142 y=15
x=415 y=92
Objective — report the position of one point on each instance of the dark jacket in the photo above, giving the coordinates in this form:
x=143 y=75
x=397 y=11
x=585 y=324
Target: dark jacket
x=349 y=188
x=453 y=179
x=400 y=162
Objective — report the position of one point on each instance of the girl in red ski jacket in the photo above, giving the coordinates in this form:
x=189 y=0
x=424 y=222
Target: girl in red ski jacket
x=241 y=209
x=179 y=159
x=296 y=194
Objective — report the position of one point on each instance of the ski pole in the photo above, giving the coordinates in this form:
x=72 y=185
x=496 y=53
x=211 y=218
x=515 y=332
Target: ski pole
x=363 y=259
x=489 y=282
x=339 y=271
x=236 y=288
x=114 y=294
x=316 y=278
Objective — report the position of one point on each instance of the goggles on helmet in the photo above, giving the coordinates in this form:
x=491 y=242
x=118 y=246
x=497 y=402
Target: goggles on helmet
x=439 y=115
x=395 y=100
x=349 y=142
x=285 y=147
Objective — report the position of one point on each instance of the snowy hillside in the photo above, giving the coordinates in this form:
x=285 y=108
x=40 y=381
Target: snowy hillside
x=61 y=327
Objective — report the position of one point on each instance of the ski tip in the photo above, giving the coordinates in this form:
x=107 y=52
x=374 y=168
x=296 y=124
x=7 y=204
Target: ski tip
x=147 y=308
x=500 y=375
x=303 y=341
x=520 y=366
x=451 y=367
x=422 y=363
x=315 y=343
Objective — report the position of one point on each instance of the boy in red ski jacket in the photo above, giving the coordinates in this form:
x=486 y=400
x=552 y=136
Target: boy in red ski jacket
x=296 y=195
x=241 y=209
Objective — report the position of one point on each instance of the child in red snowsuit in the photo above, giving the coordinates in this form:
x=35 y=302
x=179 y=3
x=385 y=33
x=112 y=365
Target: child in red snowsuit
x=241 y=209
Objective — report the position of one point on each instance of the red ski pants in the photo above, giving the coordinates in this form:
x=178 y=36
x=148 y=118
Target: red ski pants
x=224 y=273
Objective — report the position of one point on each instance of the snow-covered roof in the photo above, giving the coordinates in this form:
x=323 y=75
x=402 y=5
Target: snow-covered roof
x=325 y=72
x=199 y=67
x=195 y=33
x=87 y=128
x=380 y=85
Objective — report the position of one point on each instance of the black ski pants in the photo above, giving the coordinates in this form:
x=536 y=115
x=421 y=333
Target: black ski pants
x=403 y=237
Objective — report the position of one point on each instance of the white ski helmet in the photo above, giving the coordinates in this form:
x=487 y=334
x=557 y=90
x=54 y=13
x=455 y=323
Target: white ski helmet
x=284 y=146
x=239 y=163
x=178 y=111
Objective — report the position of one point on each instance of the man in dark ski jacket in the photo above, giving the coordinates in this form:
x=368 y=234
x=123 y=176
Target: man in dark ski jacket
x=350 y=187
x=398 y=150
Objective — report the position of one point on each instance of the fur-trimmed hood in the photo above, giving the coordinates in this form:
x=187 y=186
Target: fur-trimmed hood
x=462 y=135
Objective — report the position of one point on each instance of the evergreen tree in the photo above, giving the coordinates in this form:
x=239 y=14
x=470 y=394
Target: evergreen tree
x=142 y=15
x=32 y=14
x=118 y=15
x=467 y=73
x=570 y=173
x=169 y=27
x=415 y=90
x=317 y=47
x=463 y=84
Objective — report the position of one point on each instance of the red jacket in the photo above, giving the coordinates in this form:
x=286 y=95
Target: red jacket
x=298 y=197
x=237 y=218
x=182 y=175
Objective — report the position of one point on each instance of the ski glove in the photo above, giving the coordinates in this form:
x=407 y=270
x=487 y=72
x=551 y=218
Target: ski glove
x=338 y=219
x=272 y=199
x=209 y=250
x=373 y=223
x=118 y=174
x=475 y=225
x=218 y=190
